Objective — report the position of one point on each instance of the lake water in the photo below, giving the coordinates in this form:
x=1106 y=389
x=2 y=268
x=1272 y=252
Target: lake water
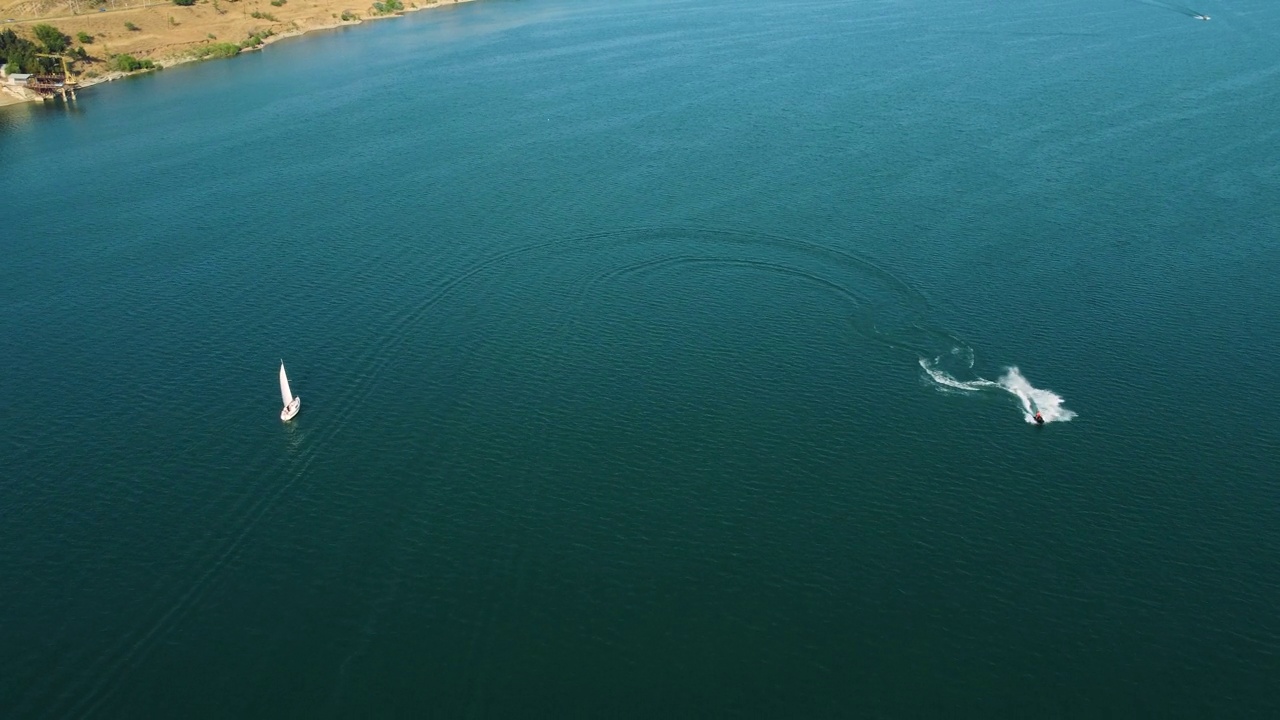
x=650 y=357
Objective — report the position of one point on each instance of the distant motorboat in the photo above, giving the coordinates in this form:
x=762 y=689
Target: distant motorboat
x=291 y=404
x=1200 y=17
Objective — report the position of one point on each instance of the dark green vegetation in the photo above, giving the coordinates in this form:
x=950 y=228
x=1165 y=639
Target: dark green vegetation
x=216 y=50
x=19 y=54
x=131 y=27
x=259 y=15
x=184 y=3
x=53 y=39
x=84 y=38
x=256 y=39
x=386 y=7
x=129 y=63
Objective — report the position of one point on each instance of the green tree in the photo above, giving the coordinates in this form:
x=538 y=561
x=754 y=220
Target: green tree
x=184 y=3
x=19 y=53
x=84 y=38
x=53 y=39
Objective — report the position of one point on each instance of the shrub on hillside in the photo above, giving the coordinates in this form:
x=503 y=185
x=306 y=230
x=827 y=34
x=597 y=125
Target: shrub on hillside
x=216 y=50
x=131 y=27
x=255 y=39
x=84 y=38
x=52 y=38
x=129 y=63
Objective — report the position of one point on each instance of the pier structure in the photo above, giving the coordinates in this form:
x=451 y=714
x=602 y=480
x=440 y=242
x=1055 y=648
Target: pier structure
x=47 y=85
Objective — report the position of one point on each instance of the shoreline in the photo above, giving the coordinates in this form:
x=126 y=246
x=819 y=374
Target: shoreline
x=166 y=50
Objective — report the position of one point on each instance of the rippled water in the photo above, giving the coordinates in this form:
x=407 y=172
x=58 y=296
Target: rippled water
x=608 y=321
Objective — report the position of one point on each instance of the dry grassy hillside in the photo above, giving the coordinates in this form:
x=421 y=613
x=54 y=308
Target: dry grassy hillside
x=168 y=33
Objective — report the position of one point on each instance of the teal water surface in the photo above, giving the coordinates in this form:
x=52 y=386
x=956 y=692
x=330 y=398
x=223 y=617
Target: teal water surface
x=608 y=320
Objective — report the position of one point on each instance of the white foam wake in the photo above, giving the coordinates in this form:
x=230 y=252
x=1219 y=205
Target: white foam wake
x=1033 y=399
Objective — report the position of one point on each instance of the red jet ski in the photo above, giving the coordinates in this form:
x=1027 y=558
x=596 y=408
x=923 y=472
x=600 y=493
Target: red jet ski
x=1039 y=419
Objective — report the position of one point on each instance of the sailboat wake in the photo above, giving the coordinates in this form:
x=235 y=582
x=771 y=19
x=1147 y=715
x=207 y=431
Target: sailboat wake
x=1032 y=399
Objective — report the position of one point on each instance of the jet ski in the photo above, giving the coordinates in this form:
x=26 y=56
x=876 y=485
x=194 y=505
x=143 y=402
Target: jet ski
x=1200 y=17
x=1039 y=418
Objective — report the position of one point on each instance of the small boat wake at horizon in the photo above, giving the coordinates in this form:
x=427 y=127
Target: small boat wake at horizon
x=1032 y=399
x=1176 y=7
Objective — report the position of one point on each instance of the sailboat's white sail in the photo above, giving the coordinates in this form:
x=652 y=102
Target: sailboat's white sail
x=284 y=387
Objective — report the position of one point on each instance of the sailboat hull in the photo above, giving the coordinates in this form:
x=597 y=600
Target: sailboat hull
x=290 y=410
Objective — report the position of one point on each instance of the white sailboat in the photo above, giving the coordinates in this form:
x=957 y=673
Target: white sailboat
x=291 y=403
